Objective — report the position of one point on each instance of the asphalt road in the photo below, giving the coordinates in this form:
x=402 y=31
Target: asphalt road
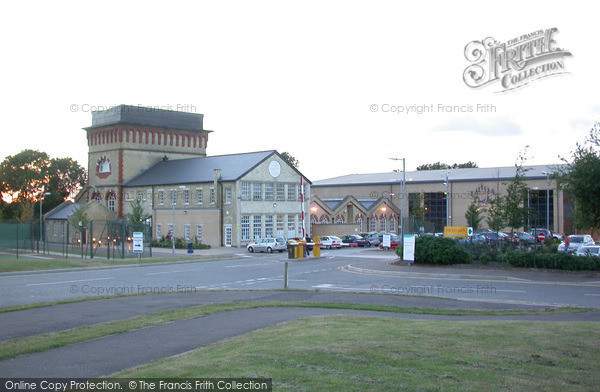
x=265 y=271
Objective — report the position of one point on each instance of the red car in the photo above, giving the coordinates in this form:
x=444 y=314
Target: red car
x=395 y=241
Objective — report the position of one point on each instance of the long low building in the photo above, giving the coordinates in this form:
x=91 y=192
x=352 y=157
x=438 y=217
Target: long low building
x=373 y=202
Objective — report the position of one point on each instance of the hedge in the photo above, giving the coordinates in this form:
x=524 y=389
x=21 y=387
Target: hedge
x=437 y=250
x=562 y=261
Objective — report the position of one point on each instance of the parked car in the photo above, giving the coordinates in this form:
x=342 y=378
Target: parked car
x=395 y=241
x=373 y=238
x=589 y=250
x=523 y=237
x=356 y=239
x=330 y=242
x=575 y=242
x=267 y=245
x=548 y=233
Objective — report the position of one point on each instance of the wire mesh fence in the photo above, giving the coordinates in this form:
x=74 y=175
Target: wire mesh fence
x=100 y=239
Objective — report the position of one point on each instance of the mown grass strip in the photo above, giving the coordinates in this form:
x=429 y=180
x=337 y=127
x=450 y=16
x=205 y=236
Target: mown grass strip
x=48 y=341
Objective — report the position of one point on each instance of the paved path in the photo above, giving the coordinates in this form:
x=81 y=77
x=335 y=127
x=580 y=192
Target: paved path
x=110 y=354
x=66 y=316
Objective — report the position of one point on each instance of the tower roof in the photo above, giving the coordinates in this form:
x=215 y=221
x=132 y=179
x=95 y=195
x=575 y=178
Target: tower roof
x=148 y=116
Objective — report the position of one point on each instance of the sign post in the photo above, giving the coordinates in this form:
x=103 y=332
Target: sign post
x=541 y=237
x=408 y=248
x=138 y=244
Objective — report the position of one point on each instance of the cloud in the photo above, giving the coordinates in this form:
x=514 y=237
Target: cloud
x=497 y=126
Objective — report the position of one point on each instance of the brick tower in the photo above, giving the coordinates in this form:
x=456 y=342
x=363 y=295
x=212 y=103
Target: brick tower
x=125 y=140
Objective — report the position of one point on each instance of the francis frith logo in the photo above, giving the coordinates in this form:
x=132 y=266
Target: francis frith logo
x=516 y=62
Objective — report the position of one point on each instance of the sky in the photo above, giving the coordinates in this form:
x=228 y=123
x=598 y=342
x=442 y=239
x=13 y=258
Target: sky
x=317 y=79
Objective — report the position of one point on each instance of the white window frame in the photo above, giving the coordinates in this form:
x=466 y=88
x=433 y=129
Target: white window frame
x=161 y=197
x=171 y=230
x=257 y=226
x=245 y=191
x=199 y=196
x=245 y=228
x=186 y=232
x=159 y=230
x=173 y=197
x=280 y=192
x=291 y=192
x=269 y=226
x=227 y=195
x=111 y=201
x=186 y=197
x=213 y=196
x=199 y=233
x=269 y=191
x=257 y=196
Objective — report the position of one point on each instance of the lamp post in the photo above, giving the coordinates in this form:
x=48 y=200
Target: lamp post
x=173 y=199
x=403 y=188
x=447 y=185
x=41 y=225
x=547 y=200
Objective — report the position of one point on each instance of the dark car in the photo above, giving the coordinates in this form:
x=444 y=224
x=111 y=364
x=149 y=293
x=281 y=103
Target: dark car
x=356 y=239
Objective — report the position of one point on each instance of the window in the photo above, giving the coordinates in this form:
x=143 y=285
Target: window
x=111 y=202
x=280 y=192
x=324 y=219
x=54 y=228
x=393 y=224
x=383 y=223
x=62 y=230
x=268 y=191
x=212 y=196
x=313 y=219
x=103 y=165
x=186 y=196
x=373 y=223
x=291 y=192
x=161 y=197
x=300 y=224
x=257 y=227
x=159 y=230
x=227 y=195
x=291 y=226
x=257 y=191
x=138 y=195
x=199 y=233
x=198 y=195
x=245 y=191
x=173 y=197
x=97 y=197
x=171 y=230
x=186 y=231
x=268 y=225
x=245 y=226
x=340 y=220
x=538 y=210
x=280 y=226
x=359 y=220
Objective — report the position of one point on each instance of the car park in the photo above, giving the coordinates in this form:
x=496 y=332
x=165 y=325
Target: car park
x=523 y=237
x=576 y=241
x=268 y=245
x=356 y=239
x=588 y=250
x=549 y=234
x=373 y=238
x=330 y=242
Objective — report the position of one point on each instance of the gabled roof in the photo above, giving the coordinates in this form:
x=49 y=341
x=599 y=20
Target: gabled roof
x=431 y=176
x=63 y=211
x=199 y=170
x=332 y=203
x=367 y=203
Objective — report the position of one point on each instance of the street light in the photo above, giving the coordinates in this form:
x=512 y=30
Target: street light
x=447 y=185
x=41 y=226
x=403 y=187
x=547 y=200
x=173 y=198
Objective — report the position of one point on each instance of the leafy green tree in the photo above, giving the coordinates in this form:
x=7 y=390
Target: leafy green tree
x=64 y=180
x=441 y=166
x=513 y=204
x=418 y=210
x=80 y=220
x=473 y=215
x=137 y=217
x=579 y=180
x=495 y=214
x=290 y=159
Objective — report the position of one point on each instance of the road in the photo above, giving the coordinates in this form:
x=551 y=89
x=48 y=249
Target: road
x=266 y=271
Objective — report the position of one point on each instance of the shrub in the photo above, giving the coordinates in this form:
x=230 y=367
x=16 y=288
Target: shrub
x=562 y=261
x=437 y=250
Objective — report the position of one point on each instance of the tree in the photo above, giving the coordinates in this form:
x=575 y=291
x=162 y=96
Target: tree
x=495 y=214
x=513 y=204
x=80 y=220
x=473 y=214
x=137 y=217
x=290 y=159
x=441 y=166
x=65 y=178
x=579 y=180
x=418 y=210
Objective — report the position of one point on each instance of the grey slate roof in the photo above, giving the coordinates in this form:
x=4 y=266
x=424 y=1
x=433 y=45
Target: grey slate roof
x=429 y=176
x=138 y=115
x=332 y=203
x=199 y=170
x=367 y=203
x=62 y=211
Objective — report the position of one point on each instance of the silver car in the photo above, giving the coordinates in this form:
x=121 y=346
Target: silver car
x=267 y=245
x=589 y=250
x=575 y=242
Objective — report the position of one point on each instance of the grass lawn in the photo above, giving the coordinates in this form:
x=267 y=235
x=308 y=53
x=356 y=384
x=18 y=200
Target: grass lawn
x=9 y=263
x=341 y=353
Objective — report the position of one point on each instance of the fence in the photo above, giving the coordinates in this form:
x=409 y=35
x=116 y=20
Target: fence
x=101 y=239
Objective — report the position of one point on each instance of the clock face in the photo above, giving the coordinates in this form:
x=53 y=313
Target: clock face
x=275 y=169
